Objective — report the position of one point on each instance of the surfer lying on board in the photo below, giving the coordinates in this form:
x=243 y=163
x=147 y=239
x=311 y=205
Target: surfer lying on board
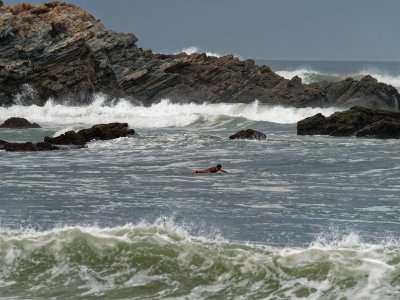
x=216 y=169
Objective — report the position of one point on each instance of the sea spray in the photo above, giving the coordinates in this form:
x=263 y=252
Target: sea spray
x=158 y=115
x=318 y=70
x=163 y=260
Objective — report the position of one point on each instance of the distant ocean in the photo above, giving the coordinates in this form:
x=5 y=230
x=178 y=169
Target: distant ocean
x=296 y=217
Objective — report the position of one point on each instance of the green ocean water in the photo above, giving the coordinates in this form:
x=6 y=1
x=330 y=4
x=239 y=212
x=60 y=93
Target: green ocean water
x=296 y=217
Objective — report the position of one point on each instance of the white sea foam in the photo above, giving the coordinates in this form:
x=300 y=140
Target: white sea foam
x=162 y=114
x=191 y=50
x=96 y=261
x=194 y=49
x=309 y=75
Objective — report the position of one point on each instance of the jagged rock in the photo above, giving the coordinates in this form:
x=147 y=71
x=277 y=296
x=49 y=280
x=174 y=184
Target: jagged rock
x=43 y=146
x=367 y=92
x=96 y=132
x=358 y=121
x=106 y=131
x=248 y=134
x=28 y=146
x=73 y=139
x=386 y=128
x=18 y=123
x=67 y=138
x=63 y=52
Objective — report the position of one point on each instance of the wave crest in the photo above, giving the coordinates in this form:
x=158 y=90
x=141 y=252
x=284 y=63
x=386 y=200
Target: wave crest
x=309 y=75
x=162 y=260
x=158 y=115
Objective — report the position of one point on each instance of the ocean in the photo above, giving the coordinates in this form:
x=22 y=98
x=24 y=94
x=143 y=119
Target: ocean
x=296 y=217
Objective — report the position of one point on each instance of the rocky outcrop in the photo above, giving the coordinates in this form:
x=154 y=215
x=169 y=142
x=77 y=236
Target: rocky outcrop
x=106 y=131
x=28 y=146
x=67 y=138
x=18 y=123
x=367 y=92
x=96 y=132
x=248 y=134
x=72 y=138
x=57 y=50
x=357 y=121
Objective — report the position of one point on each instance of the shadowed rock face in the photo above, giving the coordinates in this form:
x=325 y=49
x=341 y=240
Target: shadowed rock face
x=18 y=123
x=58 y=50
x=248 y=134
x=357 y=121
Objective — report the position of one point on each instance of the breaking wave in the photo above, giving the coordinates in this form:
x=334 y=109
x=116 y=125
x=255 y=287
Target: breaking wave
x=163 y=260
x=162 y=114
x=309 y=75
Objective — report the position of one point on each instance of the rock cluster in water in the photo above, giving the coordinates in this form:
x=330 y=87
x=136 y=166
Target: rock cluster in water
x=357 y=121
x=248 y=134
x=72 y=139
x=58 y=50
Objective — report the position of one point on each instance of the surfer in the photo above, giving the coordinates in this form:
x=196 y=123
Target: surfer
x=216 y=169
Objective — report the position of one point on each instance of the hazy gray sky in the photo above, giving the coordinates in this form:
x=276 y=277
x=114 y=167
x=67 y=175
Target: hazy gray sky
x=261 y=29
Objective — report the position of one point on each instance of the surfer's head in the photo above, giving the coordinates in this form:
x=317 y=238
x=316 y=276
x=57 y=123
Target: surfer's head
x=219 y=166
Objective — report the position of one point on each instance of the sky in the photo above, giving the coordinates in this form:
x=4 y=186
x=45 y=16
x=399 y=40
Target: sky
x=258 y=29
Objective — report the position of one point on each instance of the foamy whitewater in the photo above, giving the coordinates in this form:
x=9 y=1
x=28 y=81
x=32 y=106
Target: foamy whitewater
x=316 y=71
x=296 y=217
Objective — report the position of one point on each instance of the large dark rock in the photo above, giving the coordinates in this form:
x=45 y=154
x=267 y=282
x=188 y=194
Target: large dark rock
x=367 y=92
x=72 y=139
x=18 y=123
x=28 y=146
x=96 y=132
x=68 y=138
x=58 y=50
x=248 y=134
x=106 y=131
x=358 y=121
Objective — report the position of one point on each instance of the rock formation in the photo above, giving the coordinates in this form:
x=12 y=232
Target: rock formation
x=357 y=121
x=18 y=123
x=96 y=132
x=248 y=134
x=72 y=138
x=57 y=50
x=28 y=146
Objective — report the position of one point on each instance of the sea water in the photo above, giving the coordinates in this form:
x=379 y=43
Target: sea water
x=296 y=217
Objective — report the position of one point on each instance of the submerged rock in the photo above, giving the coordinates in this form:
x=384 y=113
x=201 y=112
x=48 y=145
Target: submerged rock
x=248 y=134
x=357 y=121
x=60 y=51
x=18 y=123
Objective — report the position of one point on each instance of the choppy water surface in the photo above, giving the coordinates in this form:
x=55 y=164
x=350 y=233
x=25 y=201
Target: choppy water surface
x=295 y=217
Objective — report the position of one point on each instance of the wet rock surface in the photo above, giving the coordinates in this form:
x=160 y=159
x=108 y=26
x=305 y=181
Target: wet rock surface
x=357 y=121
x=72 y=139
x=18 y=123
x=248 y=134
x=58 y=50
x=28 y=146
